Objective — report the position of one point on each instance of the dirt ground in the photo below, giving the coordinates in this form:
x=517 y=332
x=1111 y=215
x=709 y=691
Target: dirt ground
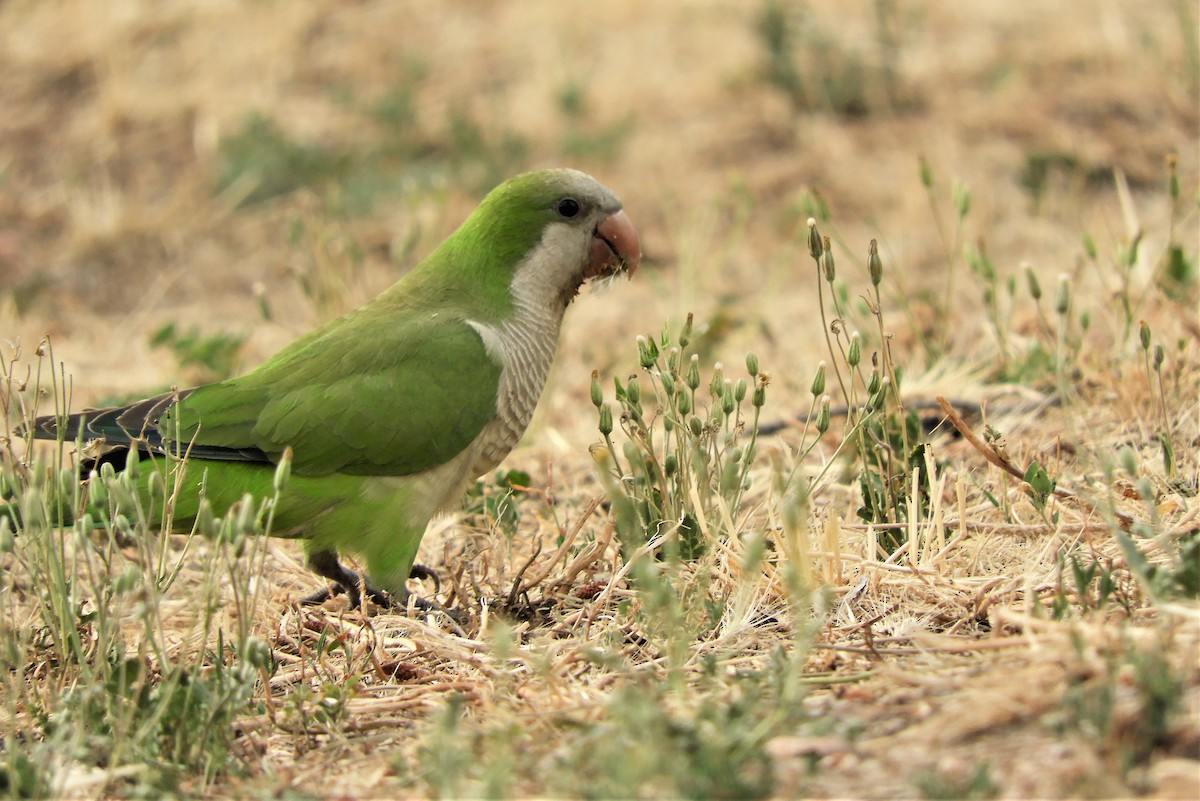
x=123 y=208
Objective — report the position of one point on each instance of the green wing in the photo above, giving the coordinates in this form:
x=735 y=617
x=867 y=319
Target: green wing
x=368 y=395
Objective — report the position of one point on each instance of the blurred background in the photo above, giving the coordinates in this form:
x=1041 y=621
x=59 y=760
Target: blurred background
x=186 y=186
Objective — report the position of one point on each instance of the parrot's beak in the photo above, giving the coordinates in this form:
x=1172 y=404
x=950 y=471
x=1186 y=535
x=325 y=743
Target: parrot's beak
x=615 y=247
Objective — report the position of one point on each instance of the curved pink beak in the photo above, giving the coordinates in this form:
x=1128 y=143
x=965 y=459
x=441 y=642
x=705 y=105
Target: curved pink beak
x=615 y=247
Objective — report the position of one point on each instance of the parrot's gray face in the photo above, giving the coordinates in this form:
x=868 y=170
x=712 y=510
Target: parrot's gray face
x=591 y=237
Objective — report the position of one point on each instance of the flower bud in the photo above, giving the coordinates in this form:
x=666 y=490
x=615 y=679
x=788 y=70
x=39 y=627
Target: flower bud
x=823 y=415
x=1035 y=288
x=597 y=392
x=683 y=403
x=1145 y=334
x=1129 y=460
x=752 y=364
x=739 y=390
x=1089 y=247
x=874 y=263
x=716 y=387
x=760 y=390
x=962 y=199
x=647 y=351
x=826 y=261
x=1159 y=356
x=1062 y=298
x=606 y=419
x=818 y=382
x=814 y=239
x=685 y=335
x=854 y=354
x=693 y=373
x=633 y=391
x=284 y=470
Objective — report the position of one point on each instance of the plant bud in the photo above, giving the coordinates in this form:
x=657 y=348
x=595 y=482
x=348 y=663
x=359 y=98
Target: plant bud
x=647 y=352
x=826 y=261
x=739 y=390
x=633 y=391
x=814 y=239
x=874 y=263
x=606 y=419
x=1089 y=247
x=716 y=387
x=818 y=382
x=962 y=199
x=823 y=415
x=284 y=471
x=728 y=404
x=1062 y=298
x=752 y=364
x=695 y=426
x=597 y=392
x=683 y=403
x=693 y=372
x=874 y=382
x=1159 y=356
x=1129 y=461
x=854 y=354
x=760 y=390
x=925 y=172
x=685 y=335
x=245 y=516
x=1035 y=288
x=1144 y=331
x=8 y=539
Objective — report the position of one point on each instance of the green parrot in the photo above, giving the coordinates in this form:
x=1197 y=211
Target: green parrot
x=391 y=410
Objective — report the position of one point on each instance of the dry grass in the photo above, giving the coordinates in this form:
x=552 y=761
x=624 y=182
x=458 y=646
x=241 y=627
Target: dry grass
x=937 y=672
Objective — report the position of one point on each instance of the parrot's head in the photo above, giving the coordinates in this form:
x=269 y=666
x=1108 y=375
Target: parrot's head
x=550 y=231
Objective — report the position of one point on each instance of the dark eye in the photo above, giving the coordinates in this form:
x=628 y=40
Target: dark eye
x=568 y=207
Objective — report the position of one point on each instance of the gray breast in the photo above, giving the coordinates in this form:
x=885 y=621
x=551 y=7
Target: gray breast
x=526 y=345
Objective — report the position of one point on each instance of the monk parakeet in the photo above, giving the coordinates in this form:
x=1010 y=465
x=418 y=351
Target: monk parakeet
x=392 y=410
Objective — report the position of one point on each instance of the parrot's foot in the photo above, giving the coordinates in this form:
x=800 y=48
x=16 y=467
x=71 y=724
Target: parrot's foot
x=356 y=587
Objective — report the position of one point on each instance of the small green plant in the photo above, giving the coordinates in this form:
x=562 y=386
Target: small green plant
x=497 y=501
x=585 y=137
x=261 y=163
x=884 y=435
x=935 y=785
x=83 y=569
x=815 y=71
x=1095 y=582
x=1130 y=726
x=681 y=473
x=213 y=357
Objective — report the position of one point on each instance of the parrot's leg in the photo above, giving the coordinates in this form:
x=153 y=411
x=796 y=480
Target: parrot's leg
x=326 y=565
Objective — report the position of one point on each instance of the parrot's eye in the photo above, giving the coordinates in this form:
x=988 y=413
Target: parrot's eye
x=568 y=207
